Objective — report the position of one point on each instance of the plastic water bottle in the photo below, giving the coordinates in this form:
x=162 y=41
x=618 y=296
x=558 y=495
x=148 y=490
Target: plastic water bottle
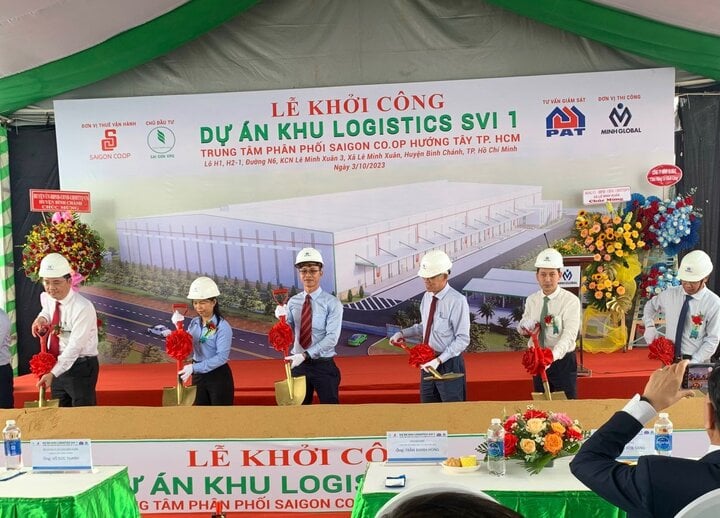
x=663 y=435
x=496 y=448
x=11 y=438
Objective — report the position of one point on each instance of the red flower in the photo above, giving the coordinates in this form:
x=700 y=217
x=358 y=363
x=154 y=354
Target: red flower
x=532 y=413
x=697 y=320
x=535 y=361
x=178 y=344
x=280 y=337
x=662 y=349
x=41 y=364
x=573 y=433
x=210 y=326
x=511 y=441
x=510 y=422
x=548 y=319
x=421 y=353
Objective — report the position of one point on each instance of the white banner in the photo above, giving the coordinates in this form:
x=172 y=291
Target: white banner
x=249 y=476
x=155 y=155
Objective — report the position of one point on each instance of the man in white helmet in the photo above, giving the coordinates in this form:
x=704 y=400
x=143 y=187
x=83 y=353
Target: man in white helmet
x=554 y=313
x=445 y=327
x=316 y=318
x=72 y=323
x=695 y=330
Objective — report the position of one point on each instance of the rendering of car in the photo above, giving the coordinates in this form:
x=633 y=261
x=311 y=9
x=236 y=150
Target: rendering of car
x=356 y=339
x=159 y=330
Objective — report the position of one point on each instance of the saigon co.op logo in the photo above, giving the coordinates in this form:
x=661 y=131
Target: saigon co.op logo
x=161 y=140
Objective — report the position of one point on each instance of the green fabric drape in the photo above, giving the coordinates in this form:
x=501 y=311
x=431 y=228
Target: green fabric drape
x=120 y=53
x=693 y=51
x=528 y=503
x=7 y=294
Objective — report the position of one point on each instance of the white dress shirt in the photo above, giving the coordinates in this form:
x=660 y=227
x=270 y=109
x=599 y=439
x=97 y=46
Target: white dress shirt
x=564 y=307
x=704 y=303
x=78 y=328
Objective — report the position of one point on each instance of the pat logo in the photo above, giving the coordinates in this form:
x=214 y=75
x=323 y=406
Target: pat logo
x=565 y=122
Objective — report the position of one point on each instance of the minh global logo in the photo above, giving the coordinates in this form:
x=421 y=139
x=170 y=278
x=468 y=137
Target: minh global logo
x=161 y=140
x=620 y=117
x=565 y=122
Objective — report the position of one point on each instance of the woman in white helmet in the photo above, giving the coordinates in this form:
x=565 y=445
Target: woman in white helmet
x=212 y=338
x=691 y=311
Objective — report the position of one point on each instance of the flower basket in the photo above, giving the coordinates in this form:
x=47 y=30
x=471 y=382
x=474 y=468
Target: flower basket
x=65 y=235
x=538 y=437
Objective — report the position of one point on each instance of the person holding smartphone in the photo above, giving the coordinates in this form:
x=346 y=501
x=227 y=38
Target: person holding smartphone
x=657 y=486
x=692 y=311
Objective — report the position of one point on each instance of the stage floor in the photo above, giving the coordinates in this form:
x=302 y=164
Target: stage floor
x=370 y=379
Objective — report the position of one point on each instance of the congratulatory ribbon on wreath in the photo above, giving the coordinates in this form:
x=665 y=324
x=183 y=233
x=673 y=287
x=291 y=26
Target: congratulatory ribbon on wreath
x=7 y=293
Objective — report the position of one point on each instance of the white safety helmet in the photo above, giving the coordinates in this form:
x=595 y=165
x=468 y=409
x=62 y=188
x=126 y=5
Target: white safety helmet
x=54 y=265
x=308 y=255
x=434 y=263
x=695 y=266
x=549 y=258
x=203 y=288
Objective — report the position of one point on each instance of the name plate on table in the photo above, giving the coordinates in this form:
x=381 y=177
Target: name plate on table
x=642 y=444
x=417 y=447
x=61 y=455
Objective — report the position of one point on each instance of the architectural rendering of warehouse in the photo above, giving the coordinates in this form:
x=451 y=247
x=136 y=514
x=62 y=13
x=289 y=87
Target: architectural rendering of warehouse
x=367 y=237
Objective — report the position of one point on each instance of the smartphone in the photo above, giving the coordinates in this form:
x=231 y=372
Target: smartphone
x=696 y=376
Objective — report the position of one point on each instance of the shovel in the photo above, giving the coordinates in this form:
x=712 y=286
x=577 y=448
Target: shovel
x=415 y=360
x=291 y=390
x=179 y=395
x=546 y=395
x=41 y=402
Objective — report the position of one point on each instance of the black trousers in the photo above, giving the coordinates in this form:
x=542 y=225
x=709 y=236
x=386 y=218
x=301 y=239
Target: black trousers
x=76 y=386
x=321 y=376
x=214 y=388
x=6 y=386
x=445 y=391
x=562 y=375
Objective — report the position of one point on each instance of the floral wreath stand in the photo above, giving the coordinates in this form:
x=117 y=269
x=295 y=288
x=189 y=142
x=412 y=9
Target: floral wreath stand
x=290 y=391
x=535 y=360
x=40 y=364
x=178 y=345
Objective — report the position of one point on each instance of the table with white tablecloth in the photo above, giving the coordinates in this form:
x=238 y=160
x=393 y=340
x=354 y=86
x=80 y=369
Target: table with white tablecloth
x=555 y=492
x=103 y=492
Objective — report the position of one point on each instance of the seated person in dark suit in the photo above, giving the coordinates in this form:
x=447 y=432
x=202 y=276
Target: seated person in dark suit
x=658 y=486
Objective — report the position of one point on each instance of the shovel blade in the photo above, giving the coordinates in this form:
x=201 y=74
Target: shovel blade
x=554 y=396
x=284 y=397
x=184 y=396
x=47 y=403
x=448 y=376
x=41 y=401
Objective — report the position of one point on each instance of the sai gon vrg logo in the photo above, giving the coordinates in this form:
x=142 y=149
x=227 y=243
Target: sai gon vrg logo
x=565 y=122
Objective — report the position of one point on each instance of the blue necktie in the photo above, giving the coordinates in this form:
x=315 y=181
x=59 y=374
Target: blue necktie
x=681 y=327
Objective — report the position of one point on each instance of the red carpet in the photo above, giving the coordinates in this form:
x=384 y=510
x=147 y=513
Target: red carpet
x=370 y=379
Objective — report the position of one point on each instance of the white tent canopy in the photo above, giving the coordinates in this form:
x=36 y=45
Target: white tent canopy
x=80 y=49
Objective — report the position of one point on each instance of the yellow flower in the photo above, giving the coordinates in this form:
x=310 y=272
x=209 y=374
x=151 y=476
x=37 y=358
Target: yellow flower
x=616 y=220
x=598 y=295
x=527 y=445
x=621 y=290
x=553 y=443
x=619 y=253
x=605 y=218
x=626 y=226
x=597 y=257
x=591 y=286
x=535 y=425
x=557 y=427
